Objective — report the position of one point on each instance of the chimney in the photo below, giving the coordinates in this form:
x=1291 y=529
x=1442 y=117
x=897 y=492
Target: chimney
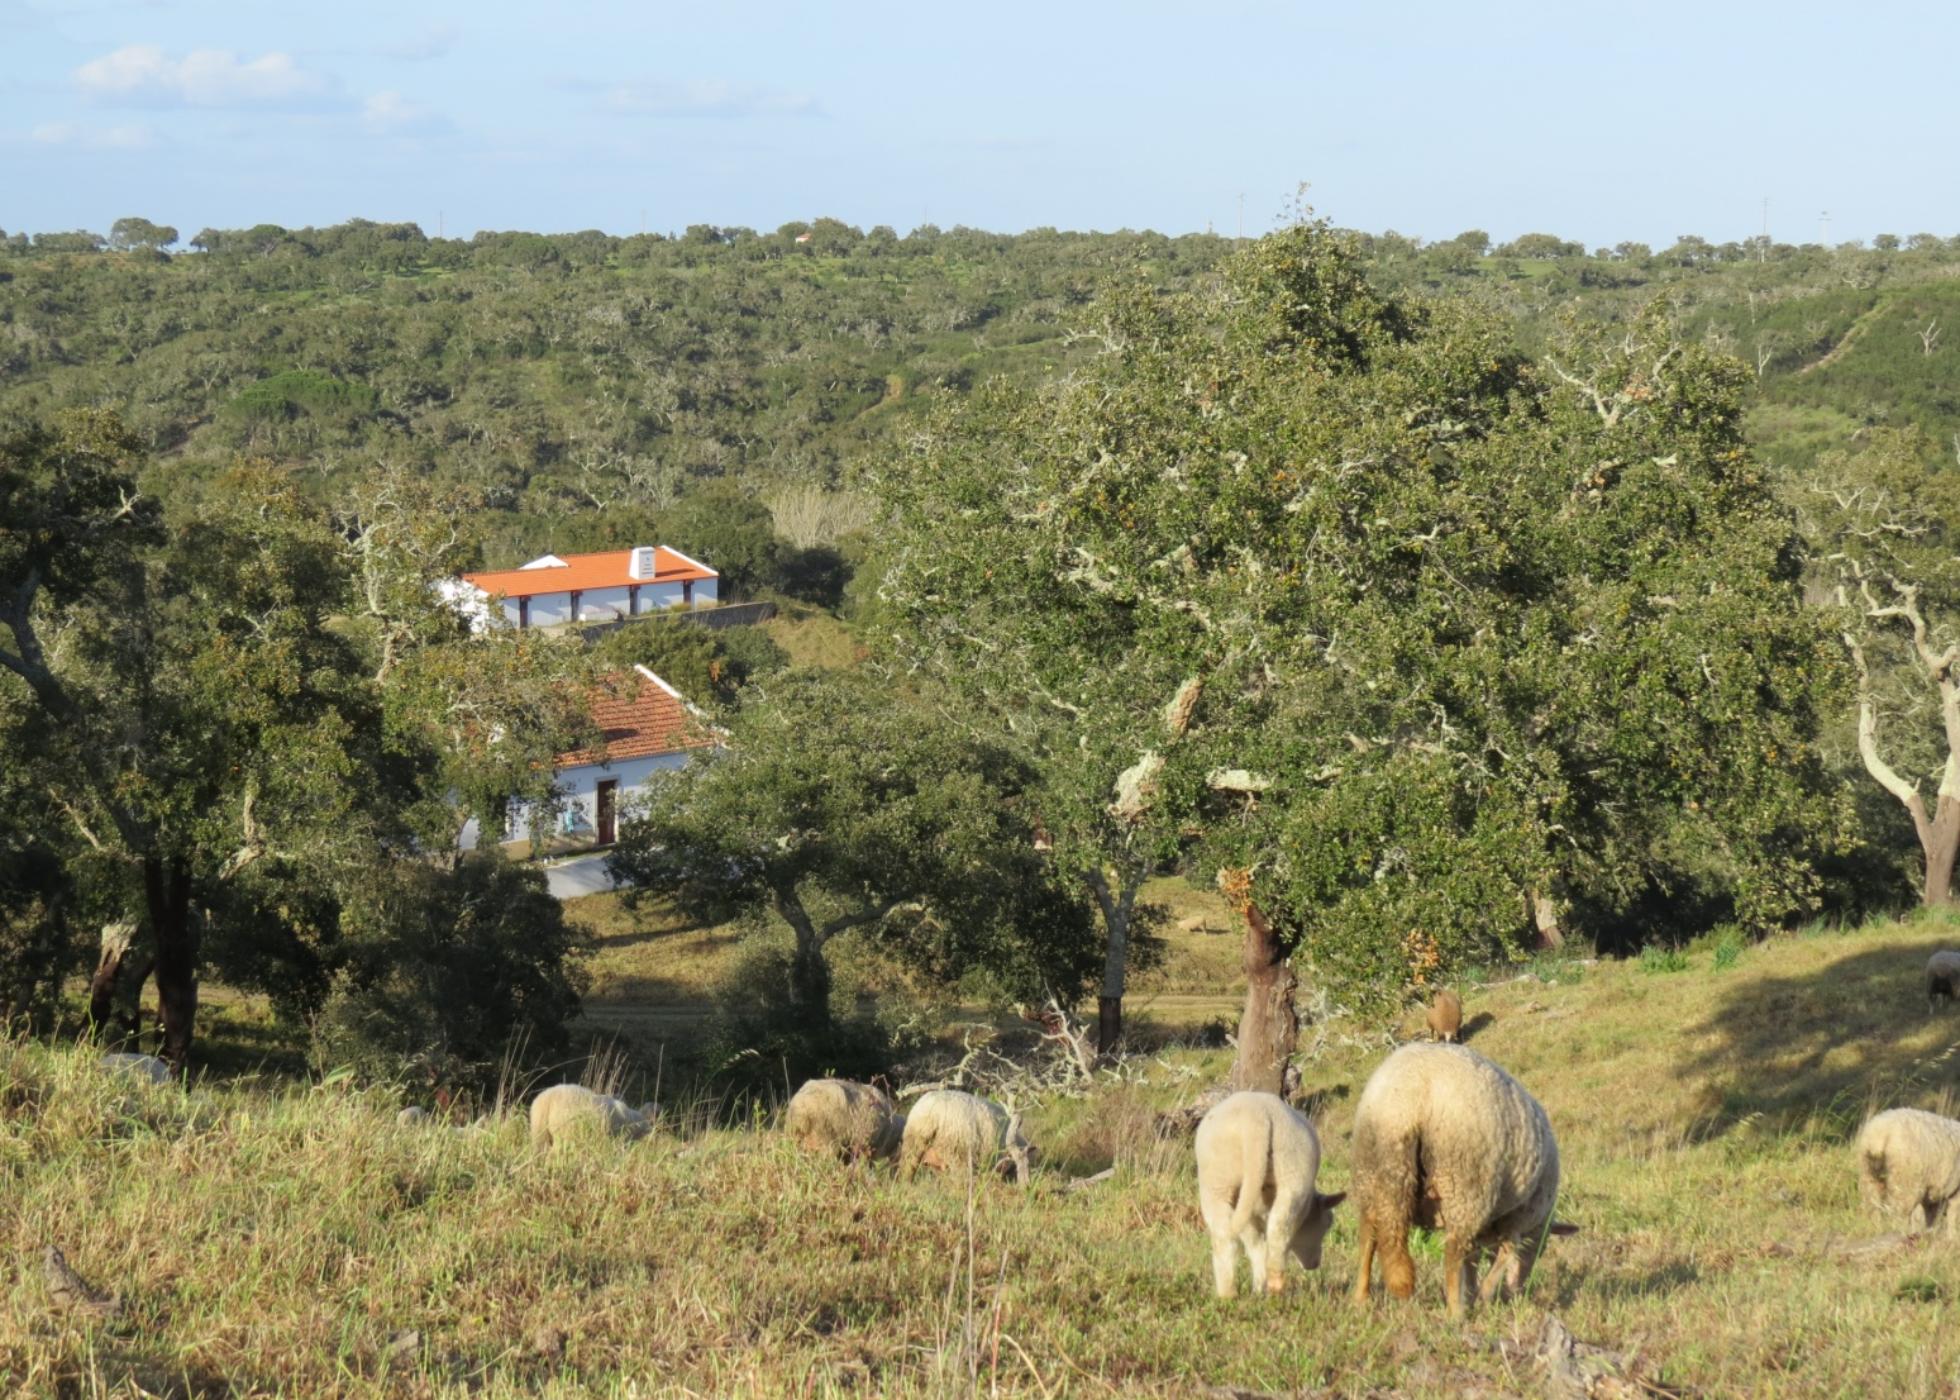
x=642 y=563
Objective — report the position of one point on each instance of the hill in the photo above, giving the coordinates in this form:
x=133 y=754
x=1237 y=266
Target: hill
x=273 y=1237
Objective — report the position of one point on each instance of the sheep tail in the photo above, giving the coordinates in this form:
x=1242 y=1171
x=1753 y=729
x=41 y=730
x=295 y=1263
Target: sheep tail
x=1252 y=1184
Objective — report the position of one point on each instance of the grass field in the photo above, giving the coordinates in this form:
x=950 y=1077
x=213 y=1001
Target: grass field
x=274 y=1238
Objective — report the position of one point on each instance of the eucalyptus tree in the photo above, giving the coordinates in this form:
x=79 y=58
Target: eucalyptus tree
x=1416 y=645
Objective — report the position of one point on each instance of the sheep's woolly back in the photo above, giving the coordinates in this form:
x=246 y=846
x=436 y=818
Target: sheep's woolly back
x=566 y=1109
x=949 y=1129
x=147 y=1068
x=1249 y=1142
x=1443 y=1137
x=843 y=1117
x=1909 y=1164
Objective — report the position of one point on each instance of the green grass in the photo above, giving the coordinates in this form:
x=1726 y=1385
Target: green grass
x=271 y=1238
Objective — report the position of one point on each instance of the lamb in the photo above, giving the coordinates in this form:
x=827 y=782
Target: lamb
x=147 y=1068
x=948 y=1128
x=1909 y=1165
x=1445 y=1016
x=852 y=1121
x=1942 y=978
x=565 y=1110
x=1443 y=1137
x=1257 y=1159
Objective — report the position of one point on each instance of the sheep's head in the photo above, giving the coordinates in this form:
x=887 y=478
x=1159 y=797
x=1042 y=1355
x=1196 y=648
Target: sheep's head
x=1312 y=1233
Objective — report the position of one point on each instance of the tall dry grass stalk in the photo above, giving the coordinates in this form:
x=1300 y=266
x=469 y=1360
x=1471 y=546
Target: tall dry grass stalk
x=808 y=516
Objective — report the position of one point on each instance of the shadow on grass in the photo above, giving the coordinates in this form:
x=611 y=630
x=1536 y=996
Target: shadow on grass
x=1828 y=1046
x=1597 y=1278
x=1473 y=1025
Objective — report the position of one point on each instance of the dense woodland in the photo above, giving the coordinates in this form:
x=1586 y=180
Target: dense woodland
x=1435 y=600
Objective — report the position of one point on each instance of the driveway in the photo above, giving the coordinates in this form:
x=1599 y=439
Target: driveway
x=581 y=875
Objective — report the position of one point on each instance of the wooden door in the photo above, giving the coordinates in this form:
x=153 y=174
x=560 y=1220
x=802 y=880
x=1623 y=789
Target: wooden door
x=608 y=811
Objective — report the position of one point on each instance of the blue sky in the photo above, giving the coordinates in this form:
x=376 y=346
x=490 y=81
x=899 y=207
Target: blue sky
x=1594 y=122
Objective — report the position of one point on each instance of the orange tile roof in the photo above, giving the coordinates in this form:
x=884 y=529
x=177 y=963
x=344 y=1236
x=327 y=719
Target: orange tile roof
x=638 y=714
x=584 y=571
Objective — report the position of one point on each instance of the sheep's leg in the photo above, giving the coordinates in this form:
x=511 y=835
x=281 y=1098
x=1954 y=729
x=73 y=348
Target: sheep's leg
x=1398 y=1269
x=1504 y=1275
x=1363 y=1274
x=1282 y=1222
x=1224 y=1246
x=1456 y=1265
x=1253 y=1241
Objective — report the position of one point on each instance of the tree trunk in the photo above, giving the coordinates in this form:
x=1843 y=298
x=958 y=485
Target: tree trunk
x=809 y=969
x=1116 y=906
x=167 y=891
x=1940 y=840
x=1270 y=1027
x=1544 y=917
x=118 y=980
x=1109 y=1022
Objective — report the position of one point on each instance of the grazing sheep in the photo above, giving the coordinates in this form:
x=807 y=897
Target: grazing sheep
x=948 y=1128
x=847 y=1119
x=147 y=1068
x=1257 y=1159
x=564 y=1110
x=1942 y=978
x=1444 y=1138
x=413 y=1116
x=1909 y=1165
x=1445 y=1016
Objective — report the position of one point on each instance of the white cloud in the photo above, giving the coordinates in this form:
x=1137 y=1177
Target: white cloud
x=705 y=98
x=112 y=138
x=431 y=42
x=144 y=75
x=391 y=114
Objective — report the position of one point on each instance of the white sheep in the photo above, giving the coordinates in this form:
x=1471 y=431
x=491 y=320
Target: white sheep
x=843 y=1118
x=147 y=1068
x=1257 y=1159
x=1942 y=978
x=414 y=1116
x=1909 y=1165
x=948 y=1128
x=1444 y=1138
x=568 y=1109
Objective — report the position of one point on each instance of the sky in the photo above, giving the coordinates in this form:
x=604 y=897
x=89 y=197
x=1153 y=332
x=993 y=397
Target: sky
x=1598 y=123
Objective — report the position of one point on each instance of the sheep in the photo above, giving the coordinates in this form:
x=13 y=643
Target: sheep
x=147 y=1068
x=1445 y=1016
x=413 y=1116
x=1942 y=978
x=1443 y=1137
x=849 y=1120
x=949 y=1128
x=1909 y=1165
x=1257 y=1159
x=566 y=1109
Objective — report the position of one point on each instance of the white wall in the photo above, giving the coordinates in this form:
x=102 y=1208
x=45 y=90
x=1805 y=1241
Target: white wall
x=602 y=604
x=510 y=611
x=655 y=596
x=579 y=787
x=704 y=590
x=547 y=608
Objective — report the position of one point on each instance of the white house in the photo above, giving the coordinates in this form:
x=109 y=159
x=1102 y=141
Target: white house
x=585 y=587
x=647 y=728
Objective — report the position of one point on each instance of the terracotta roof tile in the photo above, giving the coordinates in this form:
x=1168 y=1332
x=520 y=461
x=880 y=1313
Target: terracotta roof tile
x=584 y=571
x=639 y=714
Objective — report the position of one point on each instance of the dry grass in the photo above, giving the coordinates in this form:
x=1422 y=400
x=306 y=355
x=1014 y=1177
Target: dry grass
x=815 y=638
x=275 y=1239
